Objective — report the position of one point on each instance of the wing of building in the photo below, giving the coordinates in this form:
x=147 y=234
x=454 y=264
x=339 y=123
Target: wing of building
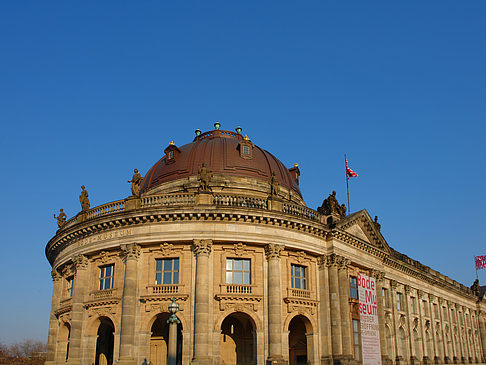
x=220 y=226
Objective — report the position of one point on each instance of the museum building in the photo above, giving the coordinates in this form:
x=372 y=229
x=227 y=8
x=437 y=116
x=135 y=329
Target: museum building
x=219 y=226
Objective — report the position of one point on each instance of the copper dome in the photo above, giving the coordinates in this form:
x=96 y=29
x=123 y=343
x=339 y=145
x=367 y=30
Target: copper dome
x=221 y=152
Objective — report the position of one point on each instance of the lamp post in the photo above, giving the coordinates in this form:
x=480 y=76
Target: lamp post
x=173 y=321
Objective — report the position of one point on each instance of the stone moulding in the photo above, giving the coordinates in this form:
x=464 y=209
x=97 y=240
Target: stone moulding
x=77 y=232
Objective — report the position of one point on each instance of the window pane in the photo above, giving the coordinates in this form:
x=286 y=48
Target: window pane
x=229 y=277
x=107 y=283
x=158 y=265
x=176 y=278
x=246 y=278
x=167 y=278
x=246 y=265
x=238 y=265
x=167 y=265
x=176 y=264
x=229 y=264
x=297 y=283
x=238 y=276
x=304 y=283
x=158 y=278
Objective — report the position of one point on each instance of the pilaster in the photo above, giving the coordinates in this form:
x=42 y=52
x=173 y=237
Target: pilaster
x=131 y=253
x=53 y=324
x=379 y=277
x=325 y=311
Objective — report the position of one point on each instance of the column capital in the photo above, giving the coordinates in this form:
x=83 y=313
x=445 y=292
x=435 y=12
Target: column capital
x=377 y=274
x=420 y=293
x=343 y=263
x=273 y=251
x=130 y=251
x=431 y=297
x=55 y=275
x=202 y=247
x=393 y=284
x=80 y=262
x=407 y=289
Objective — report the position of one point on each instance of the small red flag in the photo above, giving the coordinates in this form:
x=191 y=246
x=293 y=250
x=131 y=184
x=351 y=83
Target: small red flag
x=349 y=172
x=480 y=262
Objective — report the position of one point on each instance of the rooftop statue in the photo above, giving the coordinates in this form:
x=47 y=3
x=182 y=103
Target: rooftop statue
x=377 y=225
x=61 y=218
x=475 y=287
x=136 y=181
x=331 y=206
x=83 y=199
x=204 y=176
x=274 y=185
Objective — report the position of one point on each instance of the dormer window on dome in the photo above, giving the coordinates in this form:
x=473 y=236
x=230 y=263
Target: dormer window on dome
x=246 y=148
x=170 y=153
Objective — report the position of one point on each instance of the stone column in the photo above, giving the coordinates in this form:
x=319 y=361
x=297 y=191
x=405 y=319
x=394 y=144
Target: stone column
x=202 y=250
x=77 y=316
x=459 y=335
x=482 y=333
x=324 y=311
x=451 y=331
x=445 y=346
x=172 y=350
x=393 y=292
x=131 y=254
x=379 y=277
x=345 y=309
x=53 y=323
x=435 y=358
x=420 y=295
x=412 y=358
x=336 y=330
x=275 y=339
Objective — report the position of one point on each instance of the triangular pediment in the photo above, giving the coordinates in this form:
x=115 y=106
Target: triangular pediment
x=360 y=225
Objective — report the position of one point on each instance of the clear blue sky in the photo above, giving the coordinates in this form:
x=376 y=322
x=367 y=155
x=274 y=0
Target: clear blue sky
x=90 y=90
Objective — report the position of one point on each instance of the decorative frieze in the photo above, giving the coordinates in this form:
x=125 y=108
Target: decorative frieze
x=202 y=247
x=55 y=275
x=240 y=249
x=378 y=275
x=273 y=251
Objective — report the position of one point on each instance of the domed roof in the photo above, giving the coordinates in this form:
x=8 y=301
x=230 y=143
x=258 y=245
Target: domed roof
x=222 y=152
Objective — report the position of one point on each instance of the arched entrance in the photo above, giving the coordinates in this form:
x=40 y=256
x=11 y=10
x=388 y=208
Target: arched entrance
x=238 y=340
x=159 y=341
x=298 y=347
x=104 y=342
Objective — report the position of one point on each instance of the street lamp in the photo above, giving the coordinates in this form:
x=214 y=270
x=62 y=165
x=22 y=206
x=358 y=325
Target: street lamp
x=173 y=321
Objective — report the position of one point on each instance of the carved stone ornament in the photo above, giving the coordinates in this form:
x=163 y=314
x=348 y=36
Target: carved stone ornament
x=273 y=251
x=343 y=263
x=83 y=199
x=322 y=261
x=427 y=324
x=240 y=249
x=388 y=319
x=204 y=176
x=202 y=247
x=330 y=206
x=130 y=251
x=61 y=218
x=55 y=275
x=274 y=185
x=166 y=248
x=402 y=321
x=67 y=270
x=407 y=289
x=377 y=274
x=301 y=257
x=103 y=257
x=393 y=284
x=415 y=323
x=136 y=181
x=80 y=262
x=420 y=293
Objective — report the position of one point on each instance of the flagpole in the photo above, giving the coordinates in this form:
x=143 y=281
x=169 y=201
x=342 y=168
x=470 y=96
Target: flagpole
x=347 y=182
x=476 y=266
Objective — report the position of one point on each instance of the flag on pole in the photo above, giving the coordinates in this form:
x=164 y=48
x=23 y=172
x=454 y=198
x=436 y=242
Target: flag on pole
x=480 y=262
x=349 y=172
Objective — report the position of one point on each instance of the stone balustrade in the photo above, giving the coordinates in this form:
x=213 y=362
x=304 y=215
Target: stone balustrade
x=163 y=289
x=300 y=211
x=238 y=289
x=239 y=201
x=167 y=200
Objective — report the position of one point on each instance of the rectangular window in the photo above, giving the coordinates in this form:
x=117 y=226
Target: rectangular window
x=69 y=286
x=357 y=339
x=107 y=274
x=400 y=304
x=426 y=308
x=453 y=316
x=353 y=287
x=384 y=294
x=166 y=271
x=413 y=305
x=238 y=271
x=171 y=155
x=246 y=150
x=436 y=311
x=444 y=314
x=298 y=277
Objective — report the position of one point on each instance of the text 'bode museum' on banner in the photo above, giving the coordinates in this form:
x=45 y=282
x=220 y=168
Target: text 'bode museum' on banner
x=368 y=311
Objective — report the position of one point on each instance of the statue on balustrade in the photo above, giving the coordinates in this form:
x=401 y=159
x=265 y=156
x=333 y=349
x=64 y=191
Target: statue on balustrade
x=331 y=206
x=61 y=218
x=274 y=185
x=83 y=199
x=204 y=176
x=136 y=181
